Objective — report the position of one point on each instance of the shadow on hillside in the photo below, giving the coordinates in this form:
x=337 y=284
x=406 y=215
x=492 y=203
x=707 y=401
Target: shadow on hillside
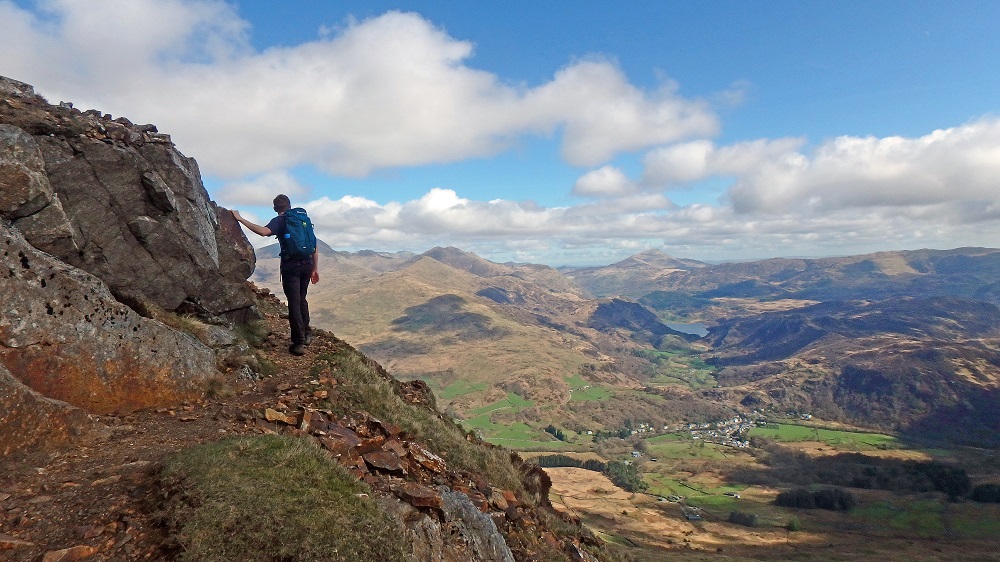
x=973 y=422
x=445 y=313
x=787 y=467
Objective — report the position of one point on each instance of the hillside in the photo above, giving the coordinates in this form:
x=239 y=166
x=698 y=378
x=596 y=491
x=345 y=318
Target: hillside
x=114 y=498
x=515 y=340
x=788 y=334
x=961 y=272
x=924 y=367
x=632 y=277
x=149 y=408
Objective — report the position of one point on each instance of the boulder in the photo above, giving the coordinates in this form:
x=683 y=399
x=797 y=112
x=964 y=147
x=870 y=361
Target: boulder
x=121 y=202
x=64 y=335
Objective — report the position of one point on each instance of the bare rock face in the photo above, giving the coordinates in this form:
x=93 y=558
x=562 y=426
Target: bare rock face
x=29 y=420
x=121 y=202
x=27 y=197
x=64 y=335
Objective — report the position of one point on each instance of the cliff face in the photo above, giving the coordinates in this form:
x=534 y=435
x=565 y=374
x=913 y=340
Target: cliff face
x=63 y=334
x=120 y=201
x=101 y=222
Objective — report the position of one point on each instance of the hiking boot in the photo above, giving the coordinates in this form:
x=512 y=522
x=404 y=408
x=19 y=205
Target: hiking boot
x=297 y=349
x=309 y=338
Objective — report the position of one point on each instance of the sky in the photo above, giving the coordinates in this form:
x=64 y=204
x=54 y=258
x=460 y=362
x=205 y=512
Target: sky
x=562 y=132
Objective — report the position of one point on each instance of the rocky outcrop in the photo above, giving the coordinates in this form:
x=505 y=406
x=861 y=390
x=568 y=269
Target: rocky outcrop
x=63 y=334
x=120 y=201
x=450 y=515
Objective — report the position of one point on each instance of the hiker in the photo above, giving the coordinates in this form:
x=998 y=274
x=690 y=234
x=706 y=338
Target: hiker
x=297 y=270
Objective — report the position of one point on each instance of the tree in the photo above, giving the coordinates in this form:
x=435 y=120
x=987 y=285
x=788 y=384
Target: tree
x=555 y=432
x=625 y=476
x=986 y=493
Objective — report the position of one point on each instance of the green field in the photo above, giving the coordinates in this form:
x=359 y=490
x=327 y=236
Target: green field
x=461 y=388
x=677 y=446
x=512 y=403
x=583 y=390
x=923 y=519
x=929 y=518
x=679 y=368
x=513 y=436
x=842 y=440
x=591 y=394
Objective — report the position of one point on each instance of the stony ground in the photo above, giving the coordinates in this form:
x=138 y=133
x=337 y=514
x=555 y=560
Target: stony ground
x=93 y=502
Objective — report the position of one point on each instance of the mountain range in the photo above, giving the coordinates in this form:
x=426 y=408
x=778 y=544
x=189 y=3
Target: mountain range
x=898 y=341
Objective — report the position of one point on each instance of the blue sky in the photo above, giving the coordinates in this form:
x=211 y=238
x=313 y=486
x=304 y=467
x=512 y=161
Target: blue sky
x=558 y=132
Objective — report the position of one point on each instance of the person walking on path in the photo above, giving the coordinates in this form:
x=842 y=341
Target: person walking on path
x=296 y=273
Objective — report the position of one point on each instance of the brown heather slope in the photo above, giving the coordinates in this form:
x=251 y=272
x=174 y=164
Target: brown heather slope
x=467 y=319
x=100 y=501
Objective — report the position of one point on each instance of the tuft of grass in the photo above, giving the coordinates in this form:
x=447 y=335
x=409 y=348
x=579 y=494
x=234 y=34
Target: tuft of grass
x=266 y=367
x=253 y=332
x=215 y=387
x=186 y=323
x=271 y=498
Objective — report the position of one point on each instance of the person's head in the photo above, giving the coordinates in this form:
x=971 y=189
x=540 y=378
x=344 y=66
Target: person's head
x=282 y=204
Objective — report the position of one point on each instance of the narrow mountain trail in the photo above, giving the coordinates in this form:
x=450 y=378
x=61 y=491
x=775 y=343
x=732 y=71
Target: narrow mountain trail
x=94 y=502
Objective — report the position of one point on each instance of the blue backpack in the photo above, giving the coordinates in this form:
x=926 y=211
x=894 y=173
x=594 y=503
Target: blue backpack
x=299 y=241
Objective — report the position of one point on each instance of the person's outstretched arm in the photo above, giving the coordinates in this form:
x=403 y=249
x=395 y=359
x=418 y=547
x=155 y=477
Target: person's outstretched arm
x=255 y=228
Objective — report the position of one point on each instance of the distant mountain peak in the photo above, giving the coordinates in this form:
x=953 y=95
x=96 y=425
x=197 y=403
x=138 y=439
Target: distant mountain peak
x=659 y=259
x=465 y=261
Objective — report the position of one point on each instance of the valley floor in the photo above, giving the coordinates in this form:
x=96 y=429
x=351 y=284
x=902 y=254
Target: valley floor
x=654 y=529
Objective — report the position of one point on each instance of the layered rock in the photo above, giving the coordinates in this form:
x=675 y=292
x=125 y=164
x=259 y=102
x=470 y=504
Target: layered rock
x=63 y=334
x=121 y=202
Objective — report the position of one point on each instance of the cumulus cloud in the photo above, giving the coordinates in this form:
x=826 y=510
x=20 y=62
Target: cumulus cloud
x=611 y=229
x=950 y=166
x=604 y=114
x=390 y=91
x=675 y=165
x=396 y=91
x=603 y=182
x=953 y=166
x=260 y=190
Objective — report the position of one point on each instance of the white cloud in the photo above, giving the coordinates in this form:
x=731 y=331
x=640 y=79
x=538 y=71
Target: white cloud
x=954 y=166
x=603 y=182
x=682 y=163
x=397 y=91
x=611 y=229
x=386 y=92
x=604 y=114
x=261 y=190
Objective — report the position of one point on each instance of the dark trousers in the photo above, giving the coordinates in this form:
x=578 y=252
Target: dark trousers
x=295 y=282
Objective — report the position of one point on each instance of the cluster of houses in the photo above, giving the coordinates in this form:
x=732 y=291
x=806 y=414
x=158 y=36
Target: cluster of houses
x=731 y=432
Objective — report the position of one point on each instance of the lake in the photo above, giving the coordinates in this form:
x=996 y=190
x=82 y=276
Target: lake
x=696 y=328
